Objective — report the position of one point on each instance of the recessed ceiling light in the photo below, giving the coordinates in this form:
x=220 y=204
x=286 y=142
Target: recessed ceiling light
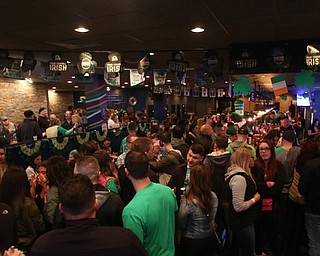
x=76 y=86
x=69 y=82
x=197 y=30
x=151 y=53
x=147 y=76
x=126 y=83
x=68 y=61
x=146 y=85
x=168 y=81
x=53 y=88
x=122 y=86
x=86 y=74
x=81 y=30
x=226 y=82
x=73 y=77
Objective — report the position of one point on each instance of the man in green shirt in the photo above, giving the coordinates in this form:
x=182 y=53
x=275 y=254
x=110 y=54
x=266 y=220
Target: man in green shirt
x=151 y=213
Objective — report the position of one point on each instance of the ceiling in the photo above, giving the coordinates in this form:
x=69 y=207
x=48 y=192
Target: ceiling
x=134 y=26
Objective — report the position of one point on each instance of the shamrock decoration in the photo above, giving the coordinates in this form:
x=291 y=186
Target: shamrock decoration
x=304 y=79
x=305 y=95
x=284 y=97
x=242 y=86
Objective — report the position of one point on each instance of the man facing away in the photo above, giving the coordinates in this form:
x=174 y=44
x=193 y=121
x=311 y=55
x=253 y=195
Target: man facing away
x=29 y=128
x=82 y=235
x=151 y=213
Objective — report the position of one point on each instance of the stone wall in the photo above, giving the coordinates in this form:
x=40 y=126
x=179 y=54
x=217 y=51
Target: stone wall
x=16 y=96
x=59 y=102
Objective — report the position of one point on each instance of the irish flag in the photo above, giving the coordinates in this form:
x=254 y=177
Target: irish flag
x=279 y=85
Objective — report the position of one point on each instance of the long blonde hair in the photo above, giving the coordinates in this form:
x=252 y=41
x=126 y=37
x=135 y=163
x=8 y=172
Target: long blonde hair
x=241 y=158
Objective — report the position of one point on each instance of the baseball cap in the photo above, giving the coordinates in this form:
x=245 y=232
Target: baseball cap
x=289 y=136
x=231 y=131
x=4 y=118
x=243 y=130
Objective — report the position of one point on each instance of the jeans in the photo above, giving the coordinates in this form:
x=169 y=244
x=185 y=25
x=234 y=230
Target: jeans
x=313 y=230
x=243 y=238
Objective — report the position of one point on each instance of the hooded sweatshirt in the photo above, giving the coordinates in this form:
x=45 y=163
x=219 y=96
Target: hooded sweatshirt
x=233 y=146
x=218 y=163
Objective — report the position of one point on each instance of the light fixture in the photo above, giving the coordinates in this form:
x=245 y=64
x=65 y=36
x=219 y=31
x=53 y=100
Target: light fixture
x=76 y=86
x=126 y=83
x=226 y=82
x=73 y=77
x=86 y=74
x=68 y=61
x=81 y=30
x=54 y=87
x=122 y=86
x=146 y=85
x=151 y=53
x=197 y=30
x=108 y=88
x=69 y=82
x=168 y=81
x=147 y=77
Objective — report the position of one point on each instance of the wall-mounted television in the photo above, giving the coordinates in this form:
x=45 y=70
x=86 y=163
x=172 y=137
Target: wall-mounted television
x=303 y=101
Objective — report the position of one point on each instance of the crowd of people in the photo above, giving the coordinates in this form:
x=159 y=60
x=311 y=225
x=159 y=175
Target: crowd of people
x=216 y=185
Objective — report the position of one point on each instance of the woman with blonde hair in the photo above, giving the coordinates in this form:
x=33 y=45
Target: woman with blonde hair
x=77 y=124
x=243 y=196
x=198 y=208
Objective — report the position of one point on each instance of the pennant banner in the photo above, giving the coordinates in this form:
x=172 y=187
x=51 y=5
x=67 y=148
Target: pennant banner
x=136 y=78
x=112 y=79
x=159 y=77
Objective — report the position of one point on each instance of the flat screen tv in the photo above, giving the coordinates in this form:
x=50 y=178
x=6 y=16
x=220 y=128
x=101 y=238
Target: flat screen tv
x=303 y=101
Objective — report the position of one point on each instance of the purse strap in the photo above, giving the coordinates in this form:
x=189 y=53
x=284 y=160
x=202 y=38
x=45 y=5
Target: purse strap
x=213 y=228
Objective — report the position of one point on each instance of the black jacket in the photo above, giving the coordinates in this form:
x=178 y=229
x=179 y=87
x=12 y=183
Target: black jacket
x=309 y=185
x=27 y=129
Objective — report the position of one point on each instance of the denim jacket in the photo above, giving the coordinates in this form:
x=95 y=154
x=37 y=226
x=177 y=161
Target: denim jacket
x=192 y=219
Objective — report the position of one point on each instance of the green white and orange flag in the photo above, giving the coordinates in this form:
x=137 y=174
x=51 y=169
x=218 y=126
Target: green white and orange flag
x=279 y=85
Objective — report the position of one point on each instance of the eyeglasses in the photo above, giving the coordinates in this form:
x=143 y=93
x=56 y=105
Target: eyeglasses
x=264 y=149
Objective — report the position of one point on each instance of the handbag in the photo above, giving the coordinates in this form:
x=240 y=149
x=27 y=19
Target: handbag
x=218 y=244
x=294 y=194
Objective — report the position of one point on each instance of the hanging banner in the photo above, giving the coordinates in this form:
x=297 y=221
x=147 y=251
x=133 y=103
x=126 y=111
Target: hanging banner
x=112 y=79
x=136 y=78
x=48 y=75
x=212 y=92
x=14 y=71
x=239 y=107
x=159 y=77
x=220 y=93
x=195 y=92
x=186 y=92
x=204 y=92
x=177 y=90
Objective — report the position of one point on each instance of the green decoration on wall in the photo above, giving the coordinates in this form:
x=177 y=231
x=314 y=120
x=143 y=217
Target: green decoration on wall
x=242 y=86
x=304 y=79
x=284 y=97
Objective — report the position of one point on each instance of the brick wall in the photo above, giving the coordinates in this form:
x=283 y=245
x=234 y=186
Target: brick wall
x=16 y=96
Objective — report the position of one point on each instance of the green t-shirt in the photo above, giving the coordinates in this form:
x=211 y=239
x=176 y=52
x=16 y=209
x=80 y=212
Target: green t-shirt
x=123 y=145
x=151 y=216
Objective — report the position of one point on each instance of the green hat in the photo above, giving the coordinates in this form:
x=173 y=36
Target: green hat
x=231 y=131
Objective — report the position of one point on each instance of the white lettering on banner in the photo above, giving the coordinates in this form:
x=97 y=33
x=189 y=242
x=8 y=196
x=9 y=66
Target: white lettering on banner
x=313 y=60
x=252 y=63
x=113 y=67
x=58 y=66
x=178 y=66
